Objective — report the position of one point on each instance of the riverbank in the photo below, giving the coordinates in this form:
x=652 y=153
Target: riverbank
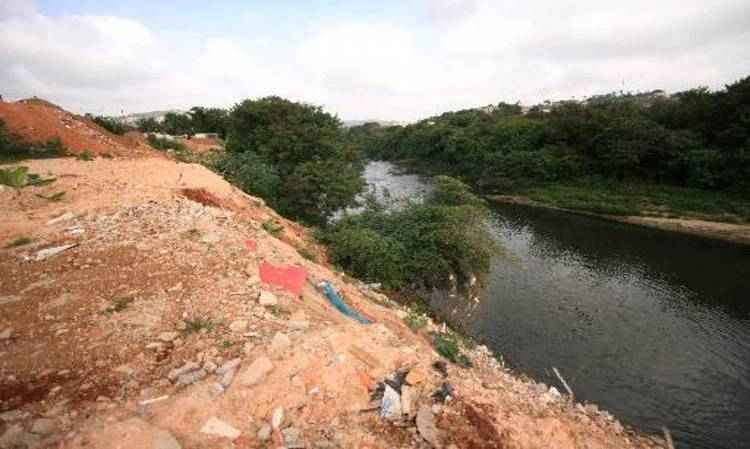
x=156 y=268
x=704 y=214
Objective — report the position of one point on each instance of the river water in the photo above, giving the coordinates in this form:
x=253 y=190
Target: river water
x=650 y=325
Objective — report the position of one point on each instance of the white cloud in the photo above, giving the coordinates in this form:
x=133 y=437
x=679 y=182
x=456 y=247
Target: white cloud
x=459 y=53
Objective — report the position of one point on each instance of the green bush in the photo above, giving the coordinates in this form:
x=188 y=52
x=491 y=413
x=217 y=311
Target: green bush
x=13 y=148
x=419 y=245
x=111 y=124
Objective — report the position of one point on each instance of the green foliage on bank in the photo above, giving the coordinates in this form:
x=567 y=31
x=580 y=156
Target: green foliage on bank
x=292 y=155
x=697 y=138
x=13 y=148
x=418 y=245
x=111 y=124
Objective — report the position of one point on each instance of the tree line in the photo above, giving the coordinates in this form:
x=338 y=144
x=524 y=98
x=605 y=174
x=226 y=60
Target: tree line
x=696 y=138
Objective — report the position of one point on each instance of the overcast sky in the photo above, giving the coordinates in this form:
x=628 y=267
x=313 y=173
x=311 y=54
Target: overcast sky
x=401 y=60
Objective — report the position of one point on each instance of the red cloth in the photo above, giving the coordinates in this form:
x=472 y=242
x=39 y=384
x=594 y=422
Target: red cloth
x=291 y=278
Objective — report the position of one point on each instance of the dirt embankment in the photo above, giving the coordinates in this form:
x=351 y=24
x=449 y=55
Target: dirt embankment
x=150 y=307
x=730 y=232
x=38 y=121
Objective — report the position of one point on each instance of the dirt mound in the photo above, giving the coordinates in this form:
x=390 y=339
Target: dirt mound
x=38 y=121
x=201 y=145
x=136 y=314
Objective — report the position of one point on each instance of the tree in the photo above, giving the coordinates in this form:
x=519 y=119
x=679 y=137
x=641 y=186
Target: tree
x=148 y=125
x=304 y=147
x=209 y=120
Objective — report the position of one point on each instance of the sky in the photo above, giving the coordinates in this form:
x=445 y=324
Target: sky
x=389 y=60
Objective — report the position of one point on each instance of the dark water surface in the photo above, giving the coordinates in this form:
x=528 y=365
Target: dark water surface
x=650 y=325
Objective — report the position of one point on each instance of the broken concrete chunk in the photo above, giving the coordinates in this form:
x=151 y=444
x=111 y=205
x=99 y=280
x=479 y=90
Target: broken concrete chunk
x=280 y=342
x=215 y=426
x=228 y=366
x=186 y=368
x=256 y=372
x=191 y=377
x=278 y=417
x=267 y=299
x=390 y=407
x=264 y=433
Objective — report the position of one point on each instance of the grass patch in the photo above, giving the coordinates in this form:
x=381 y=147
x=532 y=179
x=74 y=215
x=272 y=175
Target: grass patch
x=273 y=227
x=197 y=324
x=448 y=346
x=85 y=155
x=21 y=241
x=20 y=177
x=226 y=344
x=644 y=200
x=415 y=320
x=118 y=305
x=191 y=234
x=307 y=254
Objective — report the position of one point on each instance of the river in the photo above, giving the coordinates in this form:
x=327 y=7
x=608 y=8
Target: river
x=650 y=325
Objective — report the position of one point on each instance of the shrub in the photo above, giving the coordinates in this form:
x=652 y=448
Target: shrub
x=420 y=245
x=111 y=124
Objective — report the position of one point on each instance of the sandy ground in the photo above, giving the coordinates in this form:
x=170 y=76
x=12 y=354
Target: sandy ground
x=730 y=232
x=164 y=273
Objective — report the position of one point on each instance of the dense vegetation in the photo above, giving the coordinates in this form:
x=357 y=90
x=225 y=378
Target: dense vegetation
x=421 y=244
x=111 y=124
x=292 y=155
x=698 y=139
x=13 y=148
x=197 y=120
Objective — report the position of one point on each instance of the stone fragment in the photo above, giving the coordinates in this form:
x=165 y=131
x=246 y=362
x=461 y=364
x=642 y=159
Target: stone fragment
x=9 y=299
x=256 y=372
x=168 y=337
x=277 y=419
x=64 y=217
x=267 y=299
x=264 y=433
x=186 y=368
x=191 y=377
x=215 y=426
x=426 y=426
x=228 y=366
x=409 y=396
x=6 y=334
x=209 y=367
x=390 y=407
x=280 y=342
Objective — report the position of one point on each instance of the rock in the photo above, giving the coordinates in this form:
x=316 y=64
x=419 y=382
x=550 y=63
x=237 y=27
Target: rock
x=409 y=397
x=228 y=366
x=390 y=407
x=291 y=437
x=277 y=419
x=280 y=342
x=264 y=433
x=44 y=426
x=6 y=334
x=215 y=426
x=168 y=337
x=426 y=426
x=209 y=367
x=267 y=299
x=125 y=369
x=227 y=378
x=238 y=327
x=186 y=368
x=191 y=377
x=12 y=437
x=256 y=372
